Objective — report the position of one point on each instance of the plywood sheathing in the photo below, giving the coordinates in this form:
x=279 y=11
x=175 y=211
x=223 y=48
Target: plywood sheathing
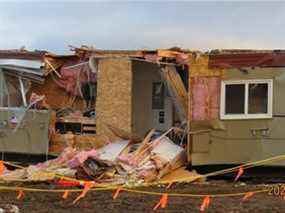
x=199 y=67
x=114 y=96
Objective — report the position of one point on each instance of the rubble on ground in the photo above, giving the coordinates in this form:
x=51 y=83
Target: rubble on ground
x=118 y=162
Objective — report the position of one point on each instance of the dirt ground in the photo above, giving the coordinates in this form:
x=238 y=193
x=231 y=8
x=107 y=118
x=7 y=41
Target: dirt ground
x=132 y=202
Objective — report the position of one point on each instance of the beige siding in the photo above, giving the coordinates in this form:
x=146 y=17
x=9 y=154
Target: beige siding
x=236 y=144
x=32 y=134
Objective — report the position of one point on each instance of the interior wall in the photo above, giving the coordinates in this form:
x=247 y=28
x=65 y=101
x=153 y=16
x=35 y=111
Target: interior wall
x=144 y=75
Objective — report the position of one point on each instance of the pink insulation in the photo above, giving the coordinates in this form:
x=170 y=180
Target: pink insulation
x=205 y=100
x=74 y=74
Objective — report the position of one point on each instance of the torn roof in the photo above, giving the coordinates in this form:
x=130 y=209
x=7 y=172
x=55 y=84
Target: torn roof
x=36 y=75
x=240 y=51
x=246 y=58
x=228 y=58
x=30 y=61
x=175 y=55
x=22 y=54
x=23 y=63
x=84 y=50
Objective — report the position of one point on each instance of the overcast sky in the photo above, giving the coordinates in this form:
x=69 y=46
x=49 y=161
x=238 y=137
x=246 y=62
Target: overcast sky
x=133 y=25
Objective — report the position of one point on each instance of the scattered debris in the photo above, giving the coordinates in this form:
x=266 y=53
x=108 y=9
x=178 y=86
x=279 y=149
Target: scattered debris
x=119 y=162
x=10 y=208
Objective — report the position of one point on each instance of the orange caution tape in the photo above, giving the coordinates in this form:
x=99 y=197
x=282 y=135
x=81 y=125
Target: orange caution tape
x=87 y=186
x=205 y=204
x=240 y=172
x=65 y=194
x=162 y=202
x=247 y=196
x=2 y=167
x=67 y=183
x=116 y=194
x=21 y=194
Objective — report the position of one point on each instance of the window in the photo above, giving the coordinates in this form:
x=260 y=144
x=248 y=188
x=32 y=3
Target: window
x=244 y=99
x=157 y=95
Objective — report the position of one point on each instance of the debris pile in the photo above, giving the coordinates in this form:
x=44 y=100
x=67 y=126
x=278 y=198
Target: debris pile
x=119 y=162
x=50 y=105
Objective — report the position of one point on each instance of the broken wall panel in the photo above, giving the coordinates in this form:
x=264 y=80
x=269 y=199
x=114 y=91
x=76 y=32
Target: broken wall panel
x=56 y=97
x=204 y=89
x=114 y=95
x=32 y=134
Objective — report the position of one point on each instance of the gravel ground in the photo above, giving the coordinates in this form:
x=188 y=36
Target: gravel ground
x=131 y=202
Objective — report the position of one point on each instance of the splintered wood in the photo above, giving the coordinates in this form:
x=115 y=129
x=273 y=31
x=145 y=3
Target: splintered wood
x=177 y=90
x=59 y=142
x=114 y=96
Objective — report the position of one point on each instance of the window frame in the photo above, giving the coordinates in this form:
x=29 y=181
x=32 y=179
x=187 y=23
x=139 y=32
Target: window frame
x=245 y=115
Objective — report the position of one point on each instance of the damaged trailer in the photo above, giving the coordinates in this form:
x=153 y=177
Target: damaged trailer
x=89 y=98
x=226 y=106
x=34 y=89
x=18 y=70
x=104 y=133
x=234 y=103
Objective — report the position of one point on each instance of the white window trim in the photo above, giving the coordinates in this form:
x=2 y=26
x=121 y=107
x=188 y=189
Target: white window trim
x=246 y=115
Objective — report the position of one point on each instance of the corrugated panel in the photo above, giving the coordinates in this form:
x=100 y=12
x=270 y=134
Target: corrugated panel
x=22 y=63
